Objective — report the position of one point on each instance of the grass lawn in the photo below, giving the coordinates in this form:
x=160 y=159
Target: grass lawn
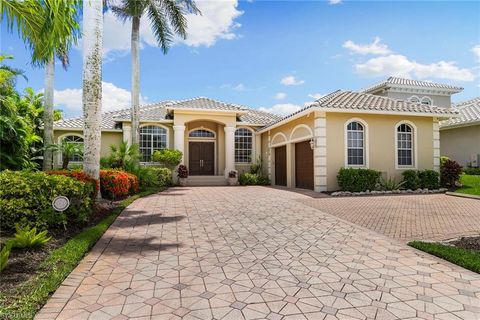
x=471 y=184
x=469 y=259
x=32 y=295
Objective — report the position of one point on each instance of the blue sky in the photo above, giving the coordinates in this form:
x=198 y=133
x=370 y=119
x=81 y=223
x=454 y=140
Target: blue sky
x=279 y=55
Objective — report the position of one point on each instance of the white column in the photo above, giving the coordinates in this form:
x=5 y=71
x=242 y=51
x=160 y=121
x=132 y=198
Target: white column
x=127 y=134
x=229 y=150
x=436 y=146
x=179 y=140
x=320 y=153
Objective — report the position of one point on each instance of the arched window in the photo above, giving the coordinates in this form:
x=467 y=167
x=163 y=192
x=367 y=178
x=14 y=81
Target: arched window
x=355 y=144
x=201 y=133
x=414 y=99
x=74 y=139
x=427 y=101
x=152 y=138
x=243 y=145
x=405 y=145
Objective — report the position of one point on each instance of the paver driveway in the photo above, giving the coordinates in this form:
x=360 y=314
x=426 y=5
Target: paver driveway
x=255 y=253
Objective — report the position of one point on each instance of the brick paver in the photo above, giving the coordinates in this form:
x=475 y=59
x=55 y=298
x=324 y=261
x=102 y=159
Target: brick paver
x=409 y=217
x=255 y=253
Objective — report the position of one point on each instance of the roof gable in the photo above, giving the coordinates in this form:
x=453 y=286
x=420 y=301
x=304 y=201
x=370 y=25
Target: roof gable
x=397 y=82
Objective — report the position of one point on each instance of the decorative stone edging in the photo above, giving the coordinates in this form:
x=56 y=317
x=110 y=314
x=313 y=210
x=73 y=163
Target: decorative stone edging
x=463 y=195
x=375 y=192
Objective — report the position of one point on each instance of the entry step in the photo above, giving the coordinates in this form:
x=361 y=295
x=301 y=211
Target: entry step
x=206 y=181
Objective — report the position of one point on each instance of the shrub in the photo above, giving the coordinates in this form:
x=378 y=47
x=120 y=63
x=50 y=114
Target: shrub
x=27 y=237
x=26 y=198
x=153 y=177
x=472 y=171
x=357 y=180
x=252 y=179
x=4 y=254
x=390 y=184
x=168 y=157
x=450 y=173
x=257 y=166
x=182 y=171
x=80 y=176
x=429 y=179
x=443 y=159
x=410 y=179
x=116 y=184
x=164 y=176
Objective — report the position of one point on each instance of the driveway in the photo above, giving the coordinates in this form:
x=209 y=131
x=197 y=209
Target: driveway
x=255 y=253
x=406 y=217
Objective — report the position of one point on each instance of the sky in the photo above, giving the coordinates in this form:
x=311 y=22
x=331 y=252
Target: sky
x=278 y=55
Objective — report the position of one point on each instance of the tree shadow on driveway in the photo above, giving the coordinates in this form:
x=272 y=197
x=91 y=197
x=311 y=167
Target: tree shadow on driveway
x=136 y=218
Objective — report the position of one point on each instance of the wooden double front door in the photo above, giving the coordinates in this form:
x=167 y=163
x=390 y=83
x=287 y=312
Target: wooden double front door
x=201 y=158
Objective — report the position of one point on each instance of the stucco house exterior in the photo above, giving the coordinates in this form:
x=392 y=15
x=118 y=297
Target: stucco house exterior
x=383 y=127
x=460 y=137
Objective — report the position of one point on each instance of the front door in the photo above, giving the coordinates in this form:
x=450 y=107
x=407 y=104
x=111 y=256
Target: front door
x=201 y=158
x=281 y=166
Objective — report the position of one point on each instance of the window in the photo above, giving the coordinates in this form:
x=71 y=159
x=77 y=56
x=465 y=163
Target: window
x=152 y=138
x=427 y=101
x=355 y=144
x=414 y=99
x=201 y=133
x=405 y=145
x=78 y=140
x=243 y=145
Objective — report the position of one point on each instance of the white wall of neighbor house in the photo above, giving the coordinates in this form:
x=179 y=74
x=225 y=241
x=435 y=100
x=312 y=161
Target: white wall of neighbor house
x=437 y=100
x=461 y=143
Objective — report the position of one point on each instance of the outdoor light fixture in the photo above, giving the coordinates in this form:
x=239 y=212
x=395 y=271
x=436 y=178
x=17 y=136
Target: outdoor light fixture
x=312 y=143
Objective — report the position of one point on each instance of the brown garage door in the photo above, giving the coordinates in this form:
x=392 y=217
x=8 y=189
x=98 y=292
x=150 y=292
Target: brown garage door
x=281 y=166
x=303 y=165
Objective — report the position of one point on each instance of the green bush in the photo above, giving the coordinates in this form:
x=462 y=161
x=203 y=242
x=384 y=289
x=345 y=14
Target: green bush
x=253 y=179
x=450 y=173
x=4 y=254
x=429 y=179
x=26 y=198
x=410 y=179
x=357 y=180
x=27 y=237
x=154 y=177
x=472 y=171
x=390 y=184
x=168 y=157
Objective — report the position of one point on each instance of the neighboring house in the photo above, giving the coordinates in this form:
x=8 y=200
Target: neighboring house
x=305 y=149
x=460 y=137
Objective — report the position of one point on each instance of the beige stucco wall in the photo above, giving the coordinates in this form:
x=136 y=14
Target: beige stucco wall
x=438 y=100
x=461 y=143
x=381 y=143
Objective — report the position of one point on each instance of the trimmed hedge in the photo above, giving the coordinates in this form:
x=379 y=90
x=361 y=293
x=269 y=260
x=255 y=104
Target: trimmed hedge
x=154 y=177
x=26 y=198
x=410 y=179
x=472 y=171
x=81 y=176
x=429 y=179
x=252 y=179
x=357 y=180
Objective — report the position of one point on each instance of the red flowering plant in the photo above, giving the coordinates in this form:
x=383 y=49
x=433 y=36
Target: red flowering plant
x=80 y=176
x=117 y=184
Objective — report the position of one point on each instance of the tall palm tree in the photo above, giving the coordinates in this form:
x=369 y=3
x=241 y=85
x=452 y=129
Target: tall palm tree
x=92 y=85
x=167 y=19
x=49 y=27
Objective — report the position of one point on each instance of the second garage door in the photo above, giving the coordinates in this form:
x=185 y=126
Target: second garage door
x=303 y=165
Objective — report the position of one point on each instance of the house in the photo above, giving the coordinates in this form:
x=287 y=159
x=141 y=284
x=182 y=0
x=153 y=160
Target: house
x=460 y=137
x=390 y=127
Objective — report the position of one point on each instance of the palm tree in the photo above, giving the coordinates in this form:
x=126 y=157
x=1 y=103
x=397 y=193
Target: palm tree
x=68 y=151
x=92 y=85
x=167 y=19
x=49 y=28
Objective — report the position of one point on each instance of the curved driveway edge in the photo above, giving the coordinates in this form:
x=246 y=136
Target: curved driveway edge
x=255 y=253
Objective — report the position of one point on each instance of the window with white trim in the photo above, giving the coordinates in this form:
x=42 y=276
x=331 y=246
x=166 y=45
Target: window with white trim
x=414 y=99
x=201 y=133
x=427 y=101
x=405 y=144
x=355 y=144
x=152 y=138
x=76 y=140
x=243 y=145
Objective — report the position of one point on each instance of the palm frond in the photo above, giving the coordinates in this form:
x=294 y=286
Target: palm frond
x=160 y=26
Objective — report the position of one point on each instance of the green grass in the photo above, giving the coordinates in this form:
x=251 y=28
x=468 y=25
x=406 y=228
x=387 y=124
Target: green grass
x=471 y=184
x=469 y=259
x=32 y=295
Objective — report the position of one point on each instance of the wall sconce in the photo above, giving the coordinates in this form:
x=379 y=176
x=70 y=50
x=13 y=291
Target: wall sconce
x=312 y=143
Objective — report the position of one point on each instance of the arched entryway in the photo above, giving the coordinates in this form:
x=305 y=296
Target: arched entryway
x=202 y=146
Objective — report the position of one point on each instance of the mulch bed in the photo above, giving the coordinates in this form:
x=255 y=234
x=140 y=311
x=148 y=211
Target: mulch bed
x=469 y=243
x=23 y=264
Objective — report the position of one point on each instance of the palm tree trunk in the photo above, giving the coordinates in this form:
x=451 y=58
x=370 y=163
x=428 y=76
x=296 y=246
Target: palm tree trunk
x=92 y=85
x=135 y=79
x=48 y=113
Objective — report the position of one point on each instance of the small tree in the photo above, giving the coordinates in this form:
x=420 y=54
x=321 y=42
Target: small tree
x=450 y=173
x=68 y=150
x=167 y=157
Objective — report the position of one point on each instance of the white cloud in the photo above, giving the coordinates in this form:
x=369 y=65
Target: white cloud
x=113 y=98
x=216 y=22
x=315 y=96
x=282 y=108
x=372 y=48
x=239 y=87
x=291 y=81
x=399 y=65
x=333 y=2
x=280 y=95
x=476 y=52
